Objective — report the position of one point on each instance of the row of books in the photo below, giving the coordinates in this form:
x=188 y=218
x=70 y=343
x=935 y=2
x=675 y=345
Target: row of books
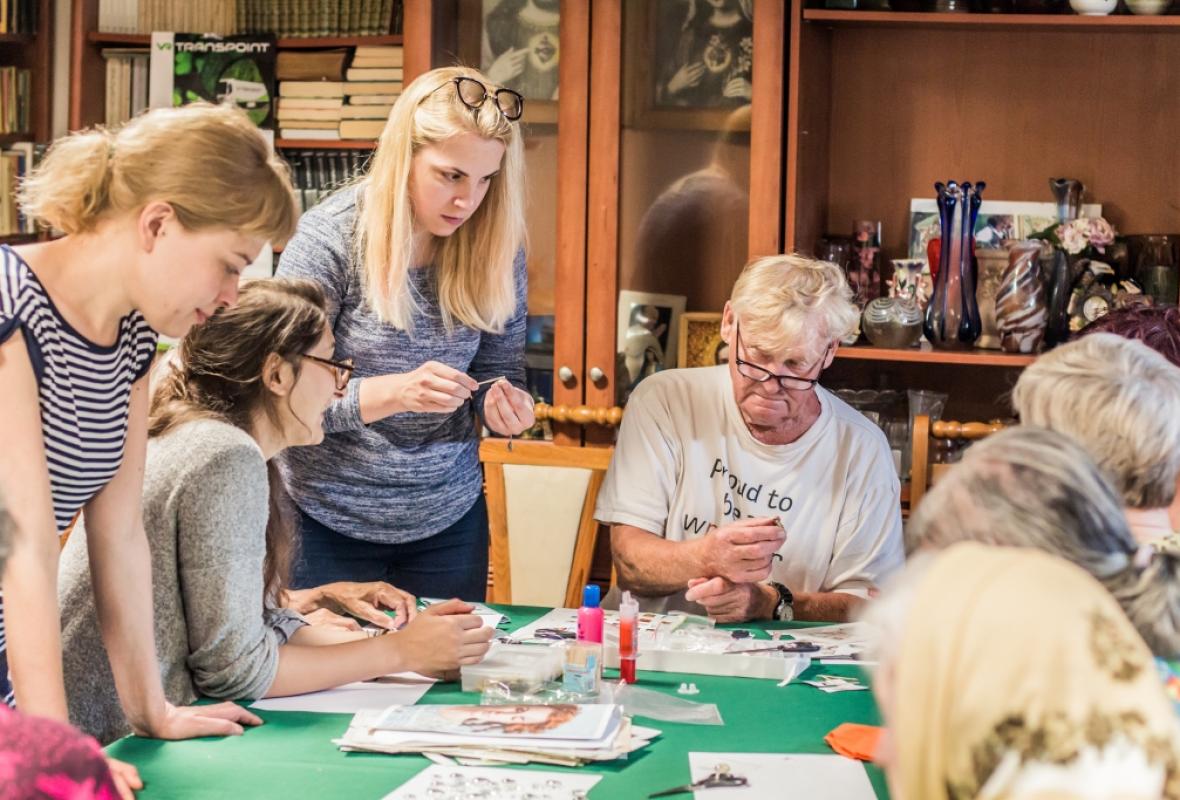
x=18 y=16
x=288 y=18
x=317 y=173
x=15 y=164
x=300 y=18
x=126 y=85
x=145 y=16
x=15 y=100
x=335 y=94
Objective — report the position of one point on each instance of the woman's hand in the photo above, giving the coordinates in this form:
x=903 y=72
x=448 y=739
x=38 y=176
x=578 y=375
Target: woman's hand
x=433 y=388
x=366 y=601
x=125 y=777
x=194 y=722
x=507 y=410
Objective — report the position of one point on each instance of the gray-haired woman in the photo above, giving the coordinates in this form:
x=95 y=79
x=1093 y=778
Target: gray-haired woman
x=1031 y=487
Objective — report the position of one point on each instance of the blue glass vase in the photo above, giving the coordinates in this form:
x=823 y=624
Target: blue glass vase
x=952 y=317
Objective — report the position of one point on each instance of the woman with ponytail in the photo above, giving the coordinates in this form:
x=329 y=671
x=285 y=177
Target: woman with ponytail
x=158 y=219
x=252 y=381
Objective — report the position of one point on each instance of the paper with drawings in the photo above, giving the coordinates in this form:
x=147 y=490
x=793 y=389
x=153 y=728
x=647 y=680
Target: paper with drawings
x=462 y=782
x=816 y=777
x=403 y=689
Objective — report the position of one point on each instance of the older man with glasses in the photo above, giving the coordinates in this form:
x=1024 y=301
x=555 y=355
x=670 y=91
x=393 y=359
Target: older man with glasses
x=747 y=491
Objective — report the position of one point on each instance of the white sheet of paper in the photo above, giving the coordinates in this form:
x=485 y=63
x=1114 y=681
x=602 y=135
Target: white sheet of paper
x=490 y=618
x=403 y=689
x=531 y=783
x=775 y=775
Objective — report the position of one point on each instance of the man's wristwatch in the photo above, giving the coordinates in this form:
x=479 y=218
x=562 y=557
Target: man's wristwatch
x=784 y=610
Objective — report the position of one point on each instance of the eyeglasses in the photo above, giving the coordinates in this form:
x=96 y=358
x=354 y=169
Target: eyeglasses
x=474 y=94
x=342 y=370
x=761 y=374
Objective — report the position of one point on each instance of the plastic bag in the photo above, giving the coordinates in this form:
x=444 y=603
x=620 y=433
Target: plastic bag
x=637 y=701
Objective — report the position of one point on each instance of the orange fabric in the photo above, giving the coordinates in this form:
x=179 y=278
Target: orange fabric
x=855 y=741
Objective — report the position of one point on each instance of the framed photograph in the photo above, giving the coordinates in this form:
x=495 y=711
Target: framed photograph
x=690 y=63
x=998 y=220
x=648 y=333
x=701 y=344
x=520 y=48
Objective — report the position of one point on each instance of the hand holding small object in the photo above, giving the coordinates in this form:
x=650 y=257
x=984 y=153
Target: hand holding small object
x=741 y=551
x=726 y=601
x=434 y=388
x=508 y=410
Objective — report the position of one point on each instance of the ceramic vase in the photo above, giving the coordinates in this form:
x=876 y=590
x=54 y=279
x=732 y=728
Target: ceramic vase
x=991 y=263
x=1020 y=300
x=952 y=317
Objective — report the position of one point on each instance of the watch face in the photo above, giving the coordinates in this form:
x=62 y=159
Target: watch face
x=1094 y=307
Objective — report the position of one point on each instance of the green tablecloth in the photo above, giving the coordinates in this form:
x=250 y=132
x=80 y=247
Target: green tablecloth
x=292 y=755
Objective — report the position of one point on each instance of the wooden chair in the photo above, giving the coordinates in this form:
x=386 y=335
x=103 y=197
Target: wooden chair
x=923 y=474
x=541 y=500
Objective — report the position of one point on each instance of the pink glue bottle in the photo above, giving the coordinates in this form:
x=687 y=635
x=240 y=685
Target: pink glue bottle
x=590 y=615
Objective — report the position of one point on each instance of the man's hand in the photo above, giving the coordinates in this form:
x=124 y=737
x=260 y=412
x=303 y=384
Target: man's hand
x=742 y=551
x=126 y=778
x=193 y=722
x=726 y=601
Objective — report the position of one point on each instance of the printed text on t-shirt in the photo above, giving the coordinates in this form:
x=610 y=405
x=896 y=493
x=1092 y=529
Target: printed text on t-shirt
x=739 y=490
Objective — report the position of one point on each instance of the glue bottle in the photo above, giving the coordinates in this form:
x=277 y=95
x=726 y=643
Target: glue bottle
x=590 y=615
x=628 y=637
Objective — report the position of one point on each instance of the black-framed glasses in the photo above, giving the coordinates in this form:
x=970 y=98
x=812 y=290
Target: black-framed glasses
x=474 y=94
x=761 y=374
x=342 y=370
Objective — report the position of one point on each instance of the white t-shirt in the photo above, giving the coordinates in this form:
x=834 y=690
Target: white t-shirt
x=685 y=462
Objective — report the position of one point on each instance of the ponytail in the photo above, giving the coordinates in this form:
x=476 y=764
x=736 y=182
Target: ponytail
x=1148 y=589
x=70 y=188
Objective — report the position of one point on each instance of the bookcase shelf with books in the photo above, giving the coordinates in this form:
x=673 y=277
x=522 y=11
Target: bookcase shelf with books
x=26 y=80
x=284 y=43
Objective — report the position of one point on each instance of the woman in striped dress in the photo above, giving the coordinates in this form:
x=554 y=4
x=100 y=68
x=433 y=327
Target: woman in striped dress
x=159 y=219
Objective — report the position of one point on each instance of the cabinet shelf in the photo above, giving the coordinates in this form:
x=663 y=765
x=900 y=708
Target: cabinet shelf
x=984 y=22
x=325 y=144
x=928 y=355
x=285 y=43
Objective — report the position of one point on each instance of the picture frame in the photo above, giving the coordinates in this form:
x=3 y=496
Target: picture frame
x=1008 y=220
x=523 y=38
x=700 y=343
x=647 y=333
x=661 y=92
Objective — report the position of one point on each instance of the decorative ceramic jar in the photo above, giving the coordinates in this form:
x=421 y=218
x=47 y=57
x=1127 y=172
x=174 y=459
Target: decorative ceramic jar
x=991 y=263
x=1149 y=7
x=952 y=317
x=911 y=278
x=892 y=322
x=1093 y=8
x=1020 y=300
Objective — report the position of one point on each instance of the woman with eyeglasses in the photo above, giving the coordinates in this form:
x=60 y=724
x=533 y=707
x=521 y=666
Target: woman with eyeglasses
x=252 y=381
x=423 y=266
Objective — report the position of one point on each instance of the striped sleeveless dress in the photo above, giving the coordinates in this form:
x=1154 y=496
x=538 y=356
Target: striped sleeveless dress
x=84 y=395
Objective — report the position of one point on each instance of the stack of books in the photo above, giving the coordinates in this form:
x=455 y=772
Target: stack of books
x=127 y=83
x=318 y=173
x=15 y=98
x=321 y=100
x=561 y=734
x=145 y=16
x=303 y=18
x=15 y=164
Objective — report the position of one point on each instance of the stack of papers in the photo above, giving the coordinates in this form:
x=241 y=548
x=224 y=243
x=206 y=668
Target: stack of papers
x=561 y=734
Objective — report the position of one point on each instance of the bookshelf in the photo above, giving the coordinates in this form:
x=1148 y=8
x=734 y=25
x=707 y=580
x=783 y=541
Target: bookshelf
x=87 y=69
x=34 y=52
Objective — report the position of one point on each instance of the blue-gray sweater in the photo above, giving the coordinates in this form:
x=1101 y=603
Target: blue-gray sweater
x=411 y=475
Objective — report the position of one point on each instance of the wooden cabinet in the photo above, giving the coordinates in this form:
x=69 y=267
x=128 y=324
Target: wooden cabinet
x=32 y=51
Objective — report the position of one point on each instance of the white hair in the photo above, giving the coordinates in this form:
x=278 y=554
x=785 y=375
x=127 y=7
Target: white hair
x=1031 y=487
x=787 y=301
x=1120 y=400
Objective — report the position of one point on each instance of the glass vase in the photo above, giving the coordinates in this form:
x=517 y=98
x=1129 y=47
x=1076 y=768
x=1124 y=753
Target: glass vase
x=952 y=316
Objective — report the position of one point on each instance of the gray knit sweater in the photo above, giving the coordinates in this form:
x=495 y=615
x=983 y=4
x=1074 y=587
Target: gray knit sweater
x=411 y=475
x=205 y=506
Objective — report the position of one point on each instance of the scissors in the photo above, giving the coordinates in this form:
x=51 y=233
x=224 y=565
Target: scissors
x=720 y=778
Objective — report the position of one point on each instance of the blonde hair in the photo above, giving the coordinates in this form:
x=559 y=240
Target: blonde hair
x=475 y=264
x=210 y=163
x=1118 y=399
x=784 y=301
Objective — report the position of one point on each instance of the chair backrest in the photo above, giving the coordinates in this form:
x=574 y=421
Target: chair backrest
x=923 y=474
x=541 y=522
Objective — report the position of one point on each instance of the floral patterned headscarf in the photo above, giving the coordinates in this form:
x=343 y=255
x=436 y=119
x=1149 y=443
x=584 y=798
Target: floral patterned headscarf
x=1018 y=676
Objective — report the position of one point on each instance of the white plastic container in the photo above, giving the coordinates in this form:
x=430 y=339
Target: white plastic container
x=520 y=667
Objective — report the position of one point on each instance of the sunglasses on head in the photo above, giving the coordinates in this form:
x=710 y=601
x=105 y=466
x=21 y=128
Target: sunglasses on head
x=473 y=94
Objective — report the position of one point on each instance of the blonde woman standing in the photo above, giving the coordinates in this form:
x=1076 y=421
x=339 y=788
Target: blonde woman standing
x=159 y=219
x=422 y=263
